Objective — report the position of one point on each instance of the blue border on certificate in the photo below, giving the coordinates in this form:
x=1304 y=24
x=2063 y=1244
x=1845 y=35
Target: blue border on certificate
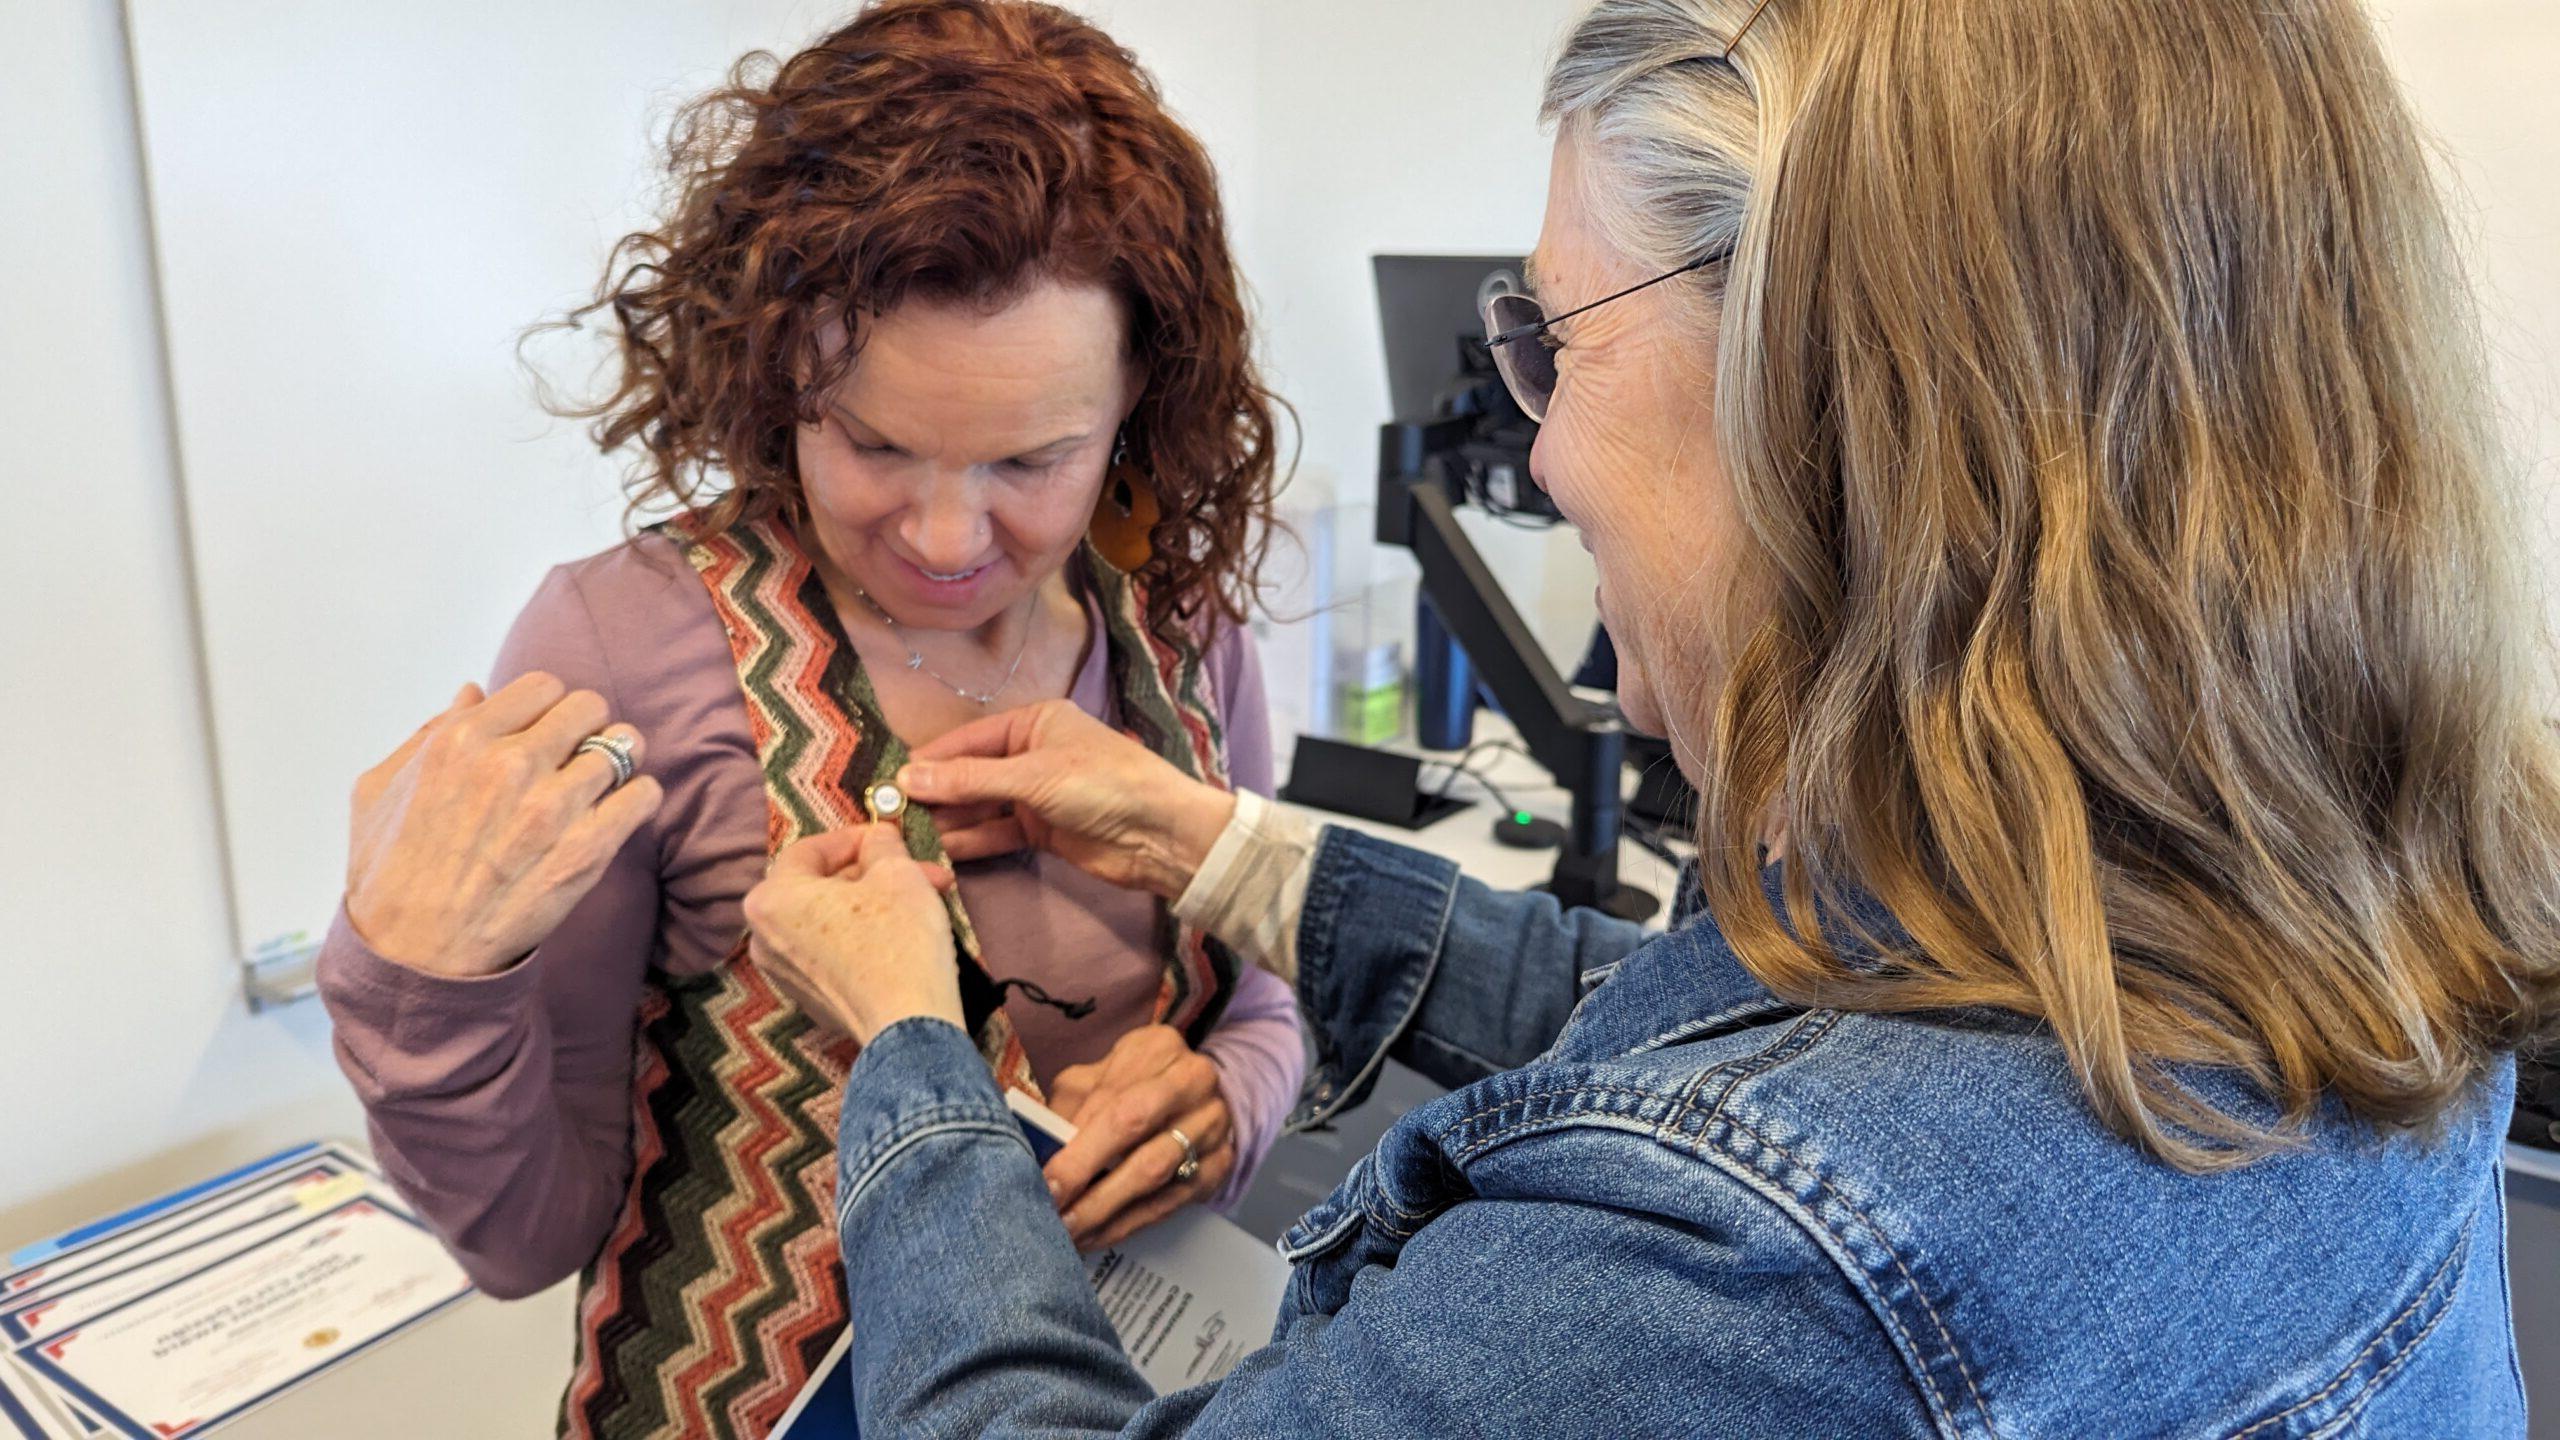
x=18 y=1415
x=29 y=1257
x=32 y=1352
x=12 y=1331
x=50 y=1254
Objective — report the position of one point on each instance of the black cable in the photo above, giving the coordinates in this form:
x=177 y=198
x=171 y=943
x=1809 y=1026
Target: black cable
x=1478 y=776
x=1459 y=766
x=1466 y=760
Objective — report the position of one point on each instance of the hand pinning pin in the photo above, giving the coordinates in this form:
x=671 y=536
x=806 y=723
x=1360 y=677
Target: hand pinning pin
x=886 y=800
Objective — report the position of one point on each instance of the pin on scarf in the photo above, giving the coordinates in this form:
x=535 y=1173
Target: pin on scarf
x=886 y=801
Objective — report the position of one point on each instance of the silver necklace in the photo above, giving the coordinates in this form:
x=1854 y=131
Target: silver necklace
x=915 y=657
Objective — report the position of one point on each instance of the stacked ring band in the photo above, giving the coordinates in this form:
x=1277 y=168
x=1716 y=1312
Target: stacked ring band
x=1190 y=1166
x=616 y=749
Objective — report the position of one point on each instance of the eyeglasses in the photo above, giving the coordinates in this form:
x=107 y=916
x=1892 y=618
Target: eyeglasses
x=1521 y=336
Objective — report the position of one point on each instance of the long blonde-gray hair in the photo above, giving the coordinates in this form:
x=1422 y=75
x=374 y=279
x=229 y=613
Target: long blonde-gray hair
x=2135 y=607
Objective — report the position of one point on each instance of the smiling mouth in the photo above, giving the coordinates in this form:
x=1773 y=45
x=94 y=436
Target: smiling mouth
x=953 y=577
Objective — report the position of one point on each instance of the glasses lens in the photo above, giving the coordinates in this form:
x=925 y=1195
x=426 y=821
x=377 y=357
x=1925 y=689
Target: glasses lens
x=1527 y=366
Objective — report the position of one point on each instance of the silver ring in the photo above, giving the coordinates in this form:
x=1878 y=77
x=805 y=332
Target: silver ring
x=1190 y=1166
x=616 y=749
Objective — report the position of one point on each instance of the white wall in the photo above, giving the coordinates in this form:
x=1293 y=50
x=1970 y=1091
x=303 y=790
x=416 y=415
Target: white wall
x=2481 y=73
x=1402 y=129
x=126 y=1035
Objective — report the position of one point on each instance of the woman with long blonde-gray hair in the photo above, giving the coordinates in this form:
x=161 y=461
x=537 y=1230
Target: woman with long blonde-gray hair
x=2041 y=481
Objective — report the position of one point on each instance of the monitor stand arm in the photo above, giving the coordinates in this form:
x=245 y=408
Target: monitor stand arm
x=1582 y=744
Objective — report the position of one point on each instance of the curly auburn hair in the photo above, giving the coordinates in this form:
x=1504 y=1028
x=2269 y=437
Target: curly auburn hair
x=945 y=151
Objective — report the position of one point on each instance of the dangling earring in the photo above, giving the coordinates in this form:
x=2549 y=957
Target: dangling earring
x=1124 y=519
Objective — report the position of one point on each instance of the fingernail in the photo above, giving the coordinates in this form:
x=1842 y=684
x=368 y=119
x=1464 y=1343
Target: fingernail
x=916 y=777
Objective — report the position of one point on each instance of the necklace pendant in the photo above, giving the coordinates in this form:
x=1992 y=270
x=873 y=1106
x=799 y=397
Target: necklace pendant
x=915 y=660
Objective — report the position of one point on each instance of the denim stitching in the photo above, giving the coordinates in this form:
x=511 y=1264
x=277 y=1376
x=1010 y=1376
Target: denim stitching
x=1562 y=1120
x=1718 y=1021
x=1937 y=1398
x=1908 y=1278
x=2506 y=1283
x=1322 y=1240
x=2460 y=1244
x=908 y=1140
x=933 y=1114
x=2382 y=1376
x=1470 y=1149
x=1809 y=1029
x=1413 y=1006
x=1400 y=1210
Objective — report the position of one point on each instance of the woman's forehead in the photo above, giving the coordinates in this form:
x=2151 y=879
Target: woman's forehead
x=1018 y=372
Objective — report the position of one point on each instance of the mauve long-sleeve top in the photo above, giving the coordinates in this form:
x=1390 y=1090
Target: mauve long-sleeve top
x=501 y=1107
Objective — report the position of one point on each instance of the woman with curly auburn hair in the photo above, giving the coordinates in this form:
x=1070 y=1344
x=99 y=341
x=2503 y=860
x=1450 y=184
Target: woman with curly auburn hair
x=939 y=372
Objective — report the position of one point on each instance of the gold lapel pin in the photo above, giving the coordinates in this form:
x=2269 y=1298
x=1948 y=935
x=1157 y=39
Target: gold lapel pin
x=886 y=800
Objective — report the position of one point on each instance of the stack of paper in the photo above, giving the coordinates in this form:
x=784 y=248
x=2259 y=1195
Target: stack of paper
x=169 y=1319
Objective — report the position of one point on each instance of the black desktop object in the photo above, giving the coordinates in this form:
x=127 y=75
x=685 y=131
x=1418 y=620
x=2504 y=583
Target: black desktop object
x=1463 y=441
x=1378 y=785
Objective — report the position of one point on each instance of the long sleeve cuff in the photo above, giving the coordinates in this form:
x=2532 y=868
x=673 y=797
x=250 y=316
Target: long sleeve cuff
x=1251 y=888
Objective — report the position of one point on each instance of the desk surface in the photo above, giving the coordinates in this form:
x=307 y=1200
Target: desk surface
x=1467 y=836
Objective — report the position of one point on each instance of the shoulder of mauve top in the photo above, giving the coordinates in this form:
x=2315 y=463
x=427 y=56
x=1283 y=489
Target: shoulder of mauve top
x=636 y=618
x=642 y=624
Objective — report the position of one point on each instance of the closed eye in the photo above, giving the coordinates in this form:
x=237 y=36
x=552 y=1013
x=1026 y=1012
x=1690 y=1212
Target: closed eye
x=1043 y=460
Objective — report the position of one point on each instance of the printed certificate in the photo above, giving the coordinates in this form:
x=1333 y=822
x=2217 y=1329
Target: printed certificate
x=100 y=1276
x=207 y=1345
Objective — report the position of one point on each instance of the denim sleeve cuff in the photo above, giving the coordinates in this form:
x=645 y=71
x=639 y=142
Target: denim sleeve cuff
x=1369 y=938
x=917 y=1079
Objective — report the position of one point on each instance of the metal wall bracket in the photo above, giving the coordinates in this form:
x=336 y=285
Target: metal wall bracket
x=281 y=972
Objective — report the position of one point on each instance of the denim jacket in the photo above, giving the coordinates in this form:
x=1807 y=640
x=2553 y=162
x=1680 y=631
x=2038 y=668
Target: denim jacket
x=1663 y=1202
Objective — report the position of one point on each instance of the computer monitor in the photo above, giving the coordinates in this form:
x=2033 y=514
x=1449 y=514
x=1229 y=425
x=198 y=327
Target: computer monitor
x=1431 y=311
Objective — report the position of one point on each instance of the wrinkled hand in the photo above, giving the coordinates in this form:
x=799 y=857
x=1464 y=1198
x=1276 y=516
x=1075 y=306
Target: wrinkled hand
x=855 y=931
x=1116 y=1177
x=1051 y=776
x=474 y=840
